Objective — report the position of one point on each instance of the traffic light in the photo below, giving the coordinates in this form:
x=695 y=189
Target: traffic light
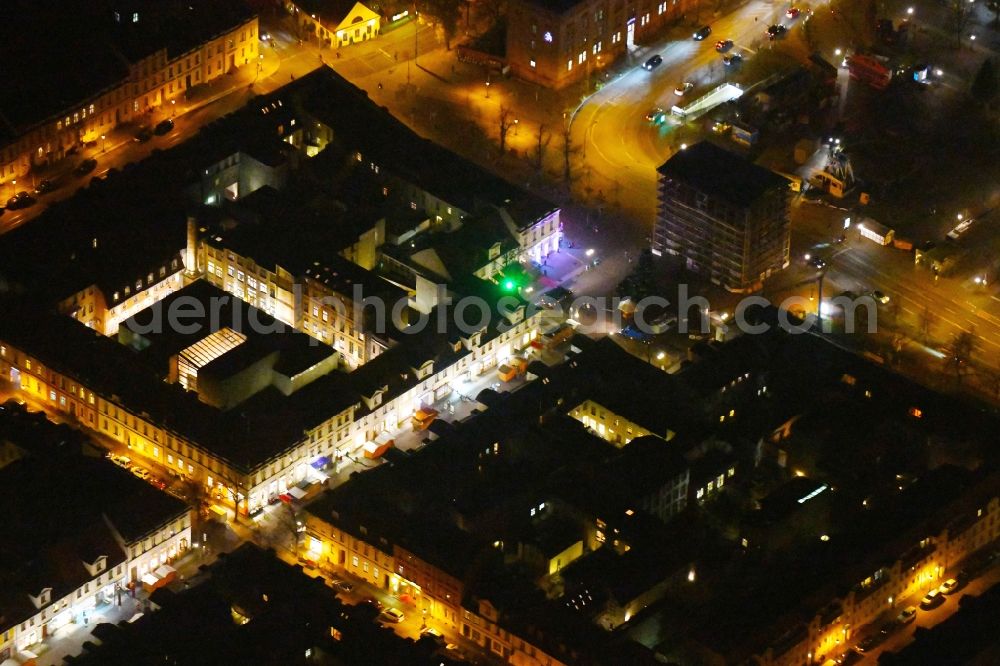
x=509 y=284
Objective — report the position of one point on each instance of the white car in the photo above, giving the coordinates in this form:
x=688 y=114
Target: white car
x=683 y=88
x=141 y=473
x=950 y=586
x=907 y=615
x=392 y=615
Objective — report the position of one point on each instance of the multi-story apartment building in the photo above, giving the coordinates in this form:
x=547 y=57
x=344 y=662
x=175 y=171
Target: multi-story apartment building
x=725 y=216
x=112 y=531
x=960 y=516
x=97 y=382
x=149 y=56
x=556 y=44
x=122 y=292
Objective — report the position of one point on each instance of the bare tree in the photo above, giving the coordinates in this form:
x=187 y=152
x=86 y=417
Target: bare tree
x=960 y=352
x=567 y=154
x=286 y=528
x=495 y=9
x=993 y=380
x=926 y=323
x=541 y=145
x=506 y=119
x=960 y=13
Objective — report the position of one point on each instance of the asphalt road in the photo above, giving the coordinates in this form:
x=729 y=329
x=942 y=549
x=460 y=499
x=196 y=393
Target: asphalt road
x=948 y=306
x=284 y=59
x=619 y=146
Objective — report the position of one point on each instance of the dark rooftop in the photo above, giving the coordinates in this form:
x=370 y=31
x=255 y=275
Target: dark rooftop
x=288 y=615
x=720 y=173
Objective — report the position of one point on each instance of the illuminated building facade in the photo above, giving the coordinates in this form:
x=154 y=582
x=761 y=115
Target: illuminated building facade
x=556 y=44
x=137 y=69
x=335 y=23
x=117 y=531
x=724 y=215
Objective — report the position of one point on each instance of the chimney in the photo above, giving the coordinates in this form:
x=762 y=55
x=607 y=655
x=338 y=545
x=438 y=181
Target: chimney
x=191 y=252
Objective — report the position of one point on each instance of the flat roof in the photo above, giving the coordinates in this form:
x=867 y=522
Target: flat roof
x=720 y=173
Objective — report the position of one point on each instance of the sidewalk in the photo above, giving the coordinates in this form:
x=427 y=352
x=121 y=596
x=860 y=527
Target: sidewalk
x=199 y=97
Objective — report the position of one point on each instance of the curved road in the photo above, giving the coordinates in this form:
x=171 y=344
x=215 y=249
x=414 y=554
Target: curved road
x=621 y=150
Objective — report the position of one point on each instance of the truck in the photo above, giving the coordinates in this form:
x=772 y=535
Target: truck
x=382 y=443
x=556 y=336
x=869 y=70
x=422 y=418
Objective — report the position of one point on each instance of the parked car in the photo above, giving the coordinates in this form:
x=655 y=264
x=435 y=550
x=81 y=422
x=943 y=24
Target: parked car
x=14 y=404
x=392 y=615
x=932 y=599
x=85 y=167
x=373 y=602
x=907 y=615
x=701 y=33
x=723 y=45
x=683 y=88
x=793 y=12
x=850 y=657
x=732 y=59
x=141 y=473
x=45 y=185
x=434 y=635
x=950 y=586
x=143 y=135
x=871 y=642
x=653 y=62
x=163 y=127
x=342 y=585
x=20 y=200
x=775 y=31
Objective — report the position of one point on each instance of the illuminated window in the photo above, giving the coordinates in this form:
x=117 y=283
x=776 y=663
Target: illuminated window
x=531 y=63
x=135 y=17
x=354 y=561
x=547 y=37
x=569 y=65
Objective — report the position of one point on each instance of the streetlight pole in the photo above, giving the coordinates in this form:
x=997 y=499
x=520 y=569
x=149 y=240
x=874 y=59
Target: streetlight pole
x=104 y=143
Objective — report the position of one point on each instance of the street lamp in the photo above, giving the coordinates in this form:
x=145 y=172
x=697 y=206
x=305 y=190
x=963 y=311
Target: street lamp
x=104 y=143
x=487 y=89
x=173 y=107
x=909 y=10
x=837 y=52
